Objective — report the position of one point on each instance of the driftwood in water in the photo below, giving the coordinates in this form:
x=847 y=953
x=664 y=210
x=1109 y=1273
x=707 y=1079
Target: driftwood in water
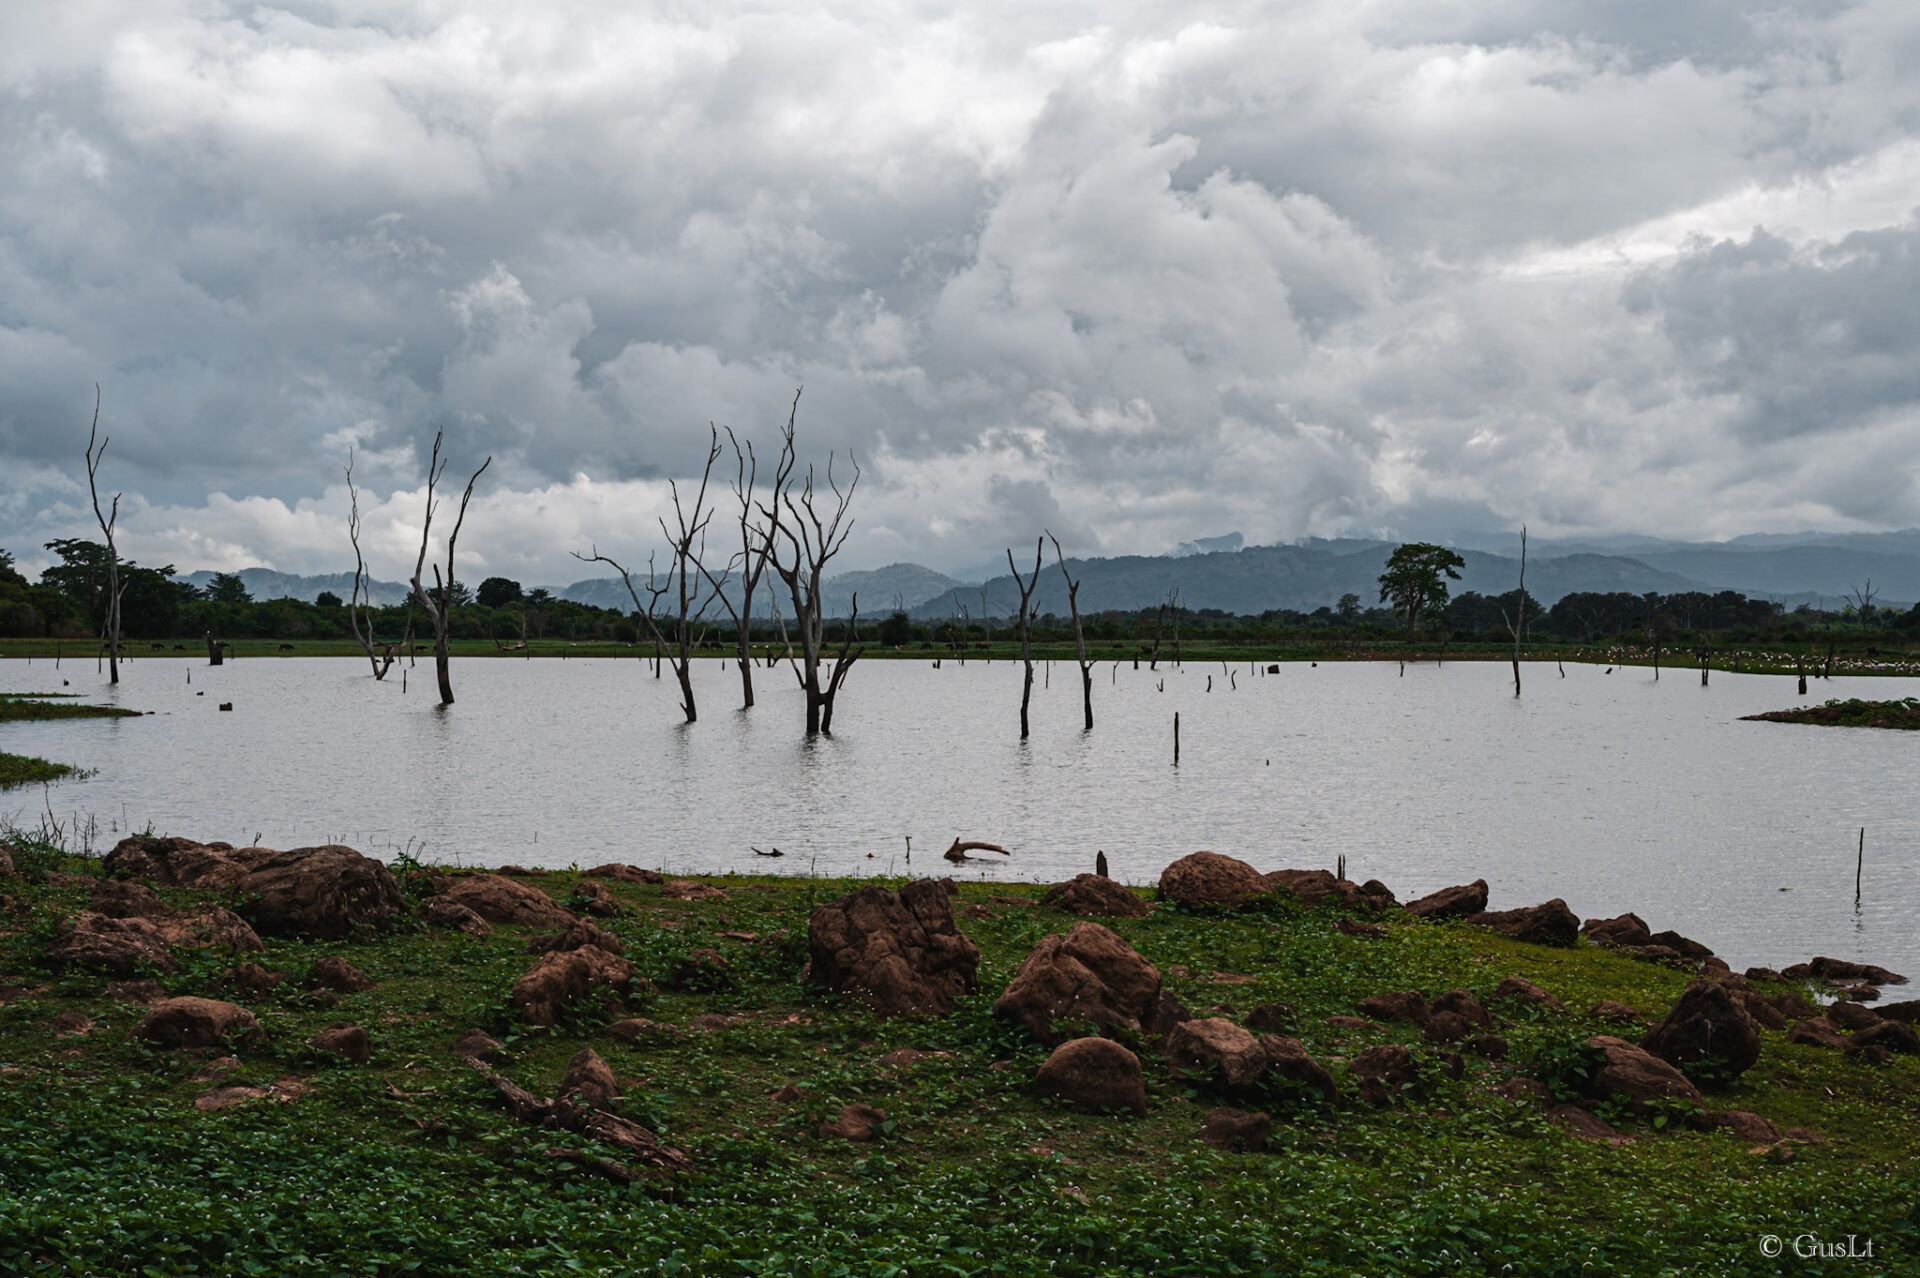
x=960 y=848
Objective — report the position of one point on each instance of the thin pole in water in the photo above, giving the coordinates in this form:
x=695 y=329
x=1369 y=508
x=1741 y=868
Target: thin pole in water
x=1859 y=863
x=1176 y=738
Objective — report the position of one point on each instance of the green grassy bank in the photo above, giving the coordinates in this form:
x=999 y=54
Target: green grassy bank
x=409 y=1164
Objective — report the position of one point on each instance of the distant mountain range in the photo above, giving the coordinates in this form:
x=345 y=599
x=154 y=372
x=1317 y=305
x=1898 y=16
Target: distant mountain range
x=1817 y=568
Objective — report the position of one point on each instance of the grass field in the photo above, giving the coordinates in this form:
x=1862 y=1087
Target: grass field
x=409 y=1163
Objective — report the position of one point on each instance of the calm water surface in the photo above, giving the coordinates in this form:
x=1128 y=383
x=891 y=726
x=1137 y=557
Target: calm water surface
x=1613 y=791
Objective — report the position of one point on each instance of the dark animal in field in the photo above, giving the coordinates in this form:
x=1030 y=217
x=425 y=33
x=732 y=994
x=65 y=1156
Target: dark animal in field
x=286 y=647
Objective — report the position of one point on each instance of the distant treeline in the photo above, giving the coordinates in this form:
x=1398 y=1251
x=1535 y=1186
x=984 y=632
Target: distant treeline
x=70 y=601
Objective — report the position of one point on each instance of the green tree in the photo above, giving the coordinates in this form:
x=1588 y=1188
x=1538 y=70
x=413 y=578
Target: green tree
x=498 y=592
x=1416 y=580
x=226 y=587
x=9 y=575
x=327 y=599
x=1348 y=609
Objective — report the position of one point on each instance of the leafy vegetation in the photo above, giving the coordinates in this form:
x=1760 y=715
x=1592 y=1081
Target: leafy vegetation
x=1851 y=713
x=409 y=1165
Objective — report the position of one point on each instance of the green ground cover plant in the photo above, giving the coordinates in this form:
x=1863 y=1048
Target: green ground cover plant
x=410 y=1164
x=1851 y=713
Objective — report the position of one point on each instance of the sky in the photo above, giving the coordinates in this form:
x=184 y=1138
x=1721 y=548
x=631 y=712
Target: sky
x=1136 y=273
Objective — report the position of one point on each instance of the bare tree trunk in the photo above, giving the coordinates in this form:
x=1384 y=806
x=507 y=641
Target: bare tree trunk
x=381 y=663
x=1517 y=624
x=755 y=546
x=1159 y=624
x=1173 y=598
x=439 y=605
x=107 y=521
x=803 y=542
x=688 y=540
x=1026 y=588
x=1080 y=639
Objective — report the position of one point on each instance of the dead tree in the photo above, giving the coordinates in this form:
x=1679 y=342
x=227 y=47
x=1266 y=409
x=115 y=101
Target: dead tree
x=1173 y=601
x=1516 y=625
x=688 y=540
x=362 y=594
x=1079 y=637
x=1159 y=624
x=755 y=546
x=1862 y=597
x=107 y=521
x=802 y=542
x=1026 y=588
x=439 y=603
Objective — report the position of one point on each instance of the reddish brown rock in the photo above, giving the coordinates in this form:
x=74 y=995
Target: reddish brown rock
x=1351 y=1023
x=1683 y=946
x=215 y=1099
x=1237 y=1129
x=698 y=969
x=332 y=972
x=1167 y=1012
x=1446 y=1027
x=1383 y=1073
x=1626 y=930
x=347 y=1041
x=326 y=893
x=1207 y=878
x=1585 y=1125
x=1459 y=902
x=899 y=953
x=253 y=981
x=1404 y=1005
x=1087 y=977
x=196 y=1022
x=1491 y=1046
x=1551 y=923
x=122 y=899
x=1907 y=1012
x=1890 y=1036
x=1635 y=1075
x=1197 y=1048
x=590 y=1080
x=1817 y=1032
x=1796 y=1006
x=1761 y=974
x=626 y=873
x=562 y=979
x=120 y=947
x=1287 y=1058
x=1852 y=1016
x=1833 y=969
x=439 y=911
x=1275 y=1018
x=71 y=1024
x=1096 y=896
x=1367 y=931
x=1705 y=1026
x=1465 y=1006
x=855 y=1123
x=502 y=900
x=1609 y=1010
x=642 y=1030
x=1095 y=1074
x=581 y=933
x=1314 y=886
x=691 y=890
x=1526 y=992
x=1747 y=1128
x=596 y=898
x=176 y=862
x=475 y=1045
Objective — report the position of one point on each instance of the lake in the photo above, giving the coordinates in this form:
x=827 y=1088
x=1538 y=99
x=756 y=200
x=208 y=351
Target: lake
x=1613 y=791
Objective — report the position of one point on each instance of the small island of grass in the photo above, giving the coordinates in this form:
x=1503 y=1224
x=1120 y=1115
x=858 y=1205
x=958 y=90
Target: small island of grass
x=24 y=707
x=1851 y=713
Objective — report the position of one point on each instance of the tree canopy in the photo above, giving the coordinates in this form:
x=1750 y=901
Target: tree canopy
x=1416 y=579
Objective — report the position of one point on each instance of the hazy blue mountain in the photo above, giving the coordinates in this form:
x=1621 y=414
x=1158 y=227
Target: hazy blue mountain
x=880 y=590
x=265 y=583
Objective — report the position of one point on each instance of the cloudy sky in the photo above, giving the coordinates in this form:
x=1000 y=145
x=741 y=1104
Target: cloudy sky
x=1139 y=272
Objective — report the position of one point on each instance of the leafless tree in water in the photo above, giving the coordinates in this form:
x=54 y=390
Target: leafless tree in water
x=755 y=547
x=804 y=535
x=439 y=602
x=1079 y=636
x=1517 y=624
x=107 y=521
x=361 y=596
x=687 y=539
x=1026 y=587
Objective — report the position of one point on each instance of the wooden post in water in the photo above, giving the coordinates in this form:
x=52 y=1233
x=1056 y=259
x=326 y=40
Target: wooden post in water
x=1176 y=738
x=1859 y=863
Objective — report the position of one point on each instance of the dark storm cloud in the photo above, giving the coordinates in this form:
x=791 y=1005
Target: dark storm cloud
x=1138 y=273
